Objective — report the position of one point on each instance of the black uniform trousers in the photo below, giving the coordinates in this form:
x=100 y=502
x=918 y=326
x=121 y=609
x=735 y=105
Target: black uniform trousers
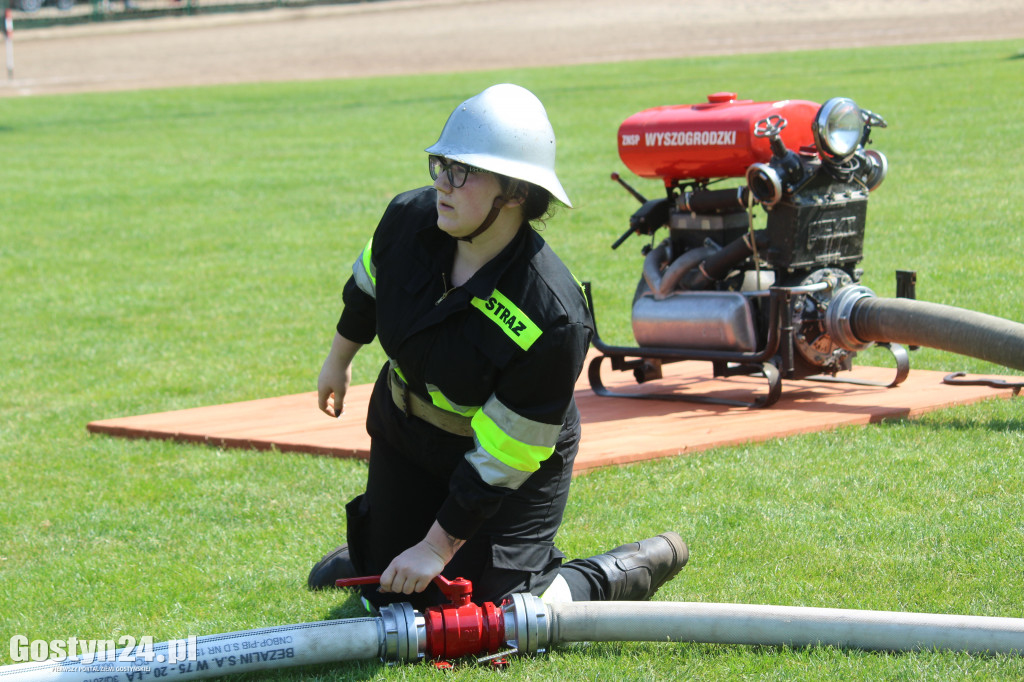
x=410 y=464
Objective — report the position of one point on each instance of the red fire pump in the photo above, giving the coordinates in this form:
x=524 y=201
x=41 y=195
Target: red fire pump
x=751 y=302
x=783 y=301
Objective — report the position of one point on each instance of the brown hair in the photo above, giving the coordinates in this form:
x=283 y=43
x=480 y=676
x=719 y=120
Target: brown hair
x=536 y=200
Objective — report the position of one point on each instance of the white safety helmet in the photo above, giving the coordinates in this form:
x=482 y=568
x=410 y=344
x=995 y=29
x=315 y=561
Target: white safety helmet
x=504 y=130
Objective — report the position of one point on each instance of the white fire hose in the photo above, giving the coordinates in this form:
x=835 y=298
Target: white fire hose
x=783 y=626
x=526 y=625
x=235 y=652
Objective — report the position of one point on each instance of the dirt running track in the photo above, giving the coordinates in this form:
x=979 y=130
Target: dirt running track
x=420 y=36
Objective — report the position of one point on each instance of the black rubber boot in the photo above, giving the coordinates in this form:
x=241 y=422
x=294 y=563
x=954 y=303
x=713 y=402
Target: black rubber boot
x=332 y=567
x=635 y=571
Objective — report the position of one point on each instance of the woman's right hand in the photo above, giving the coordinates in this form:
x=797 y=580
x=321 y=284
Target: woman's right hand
x=335 y=376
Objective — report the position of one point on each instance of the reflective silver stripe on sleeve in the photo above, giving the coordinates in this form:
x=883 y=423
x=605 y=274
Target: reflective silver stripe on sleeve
x=519 y=427
x=493 y=471
x=508 y=447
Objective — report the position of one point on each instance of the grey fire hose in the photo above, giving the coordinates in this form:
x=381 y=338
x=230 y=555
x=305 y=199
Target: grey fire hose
x=529 y=626
x=856 y=318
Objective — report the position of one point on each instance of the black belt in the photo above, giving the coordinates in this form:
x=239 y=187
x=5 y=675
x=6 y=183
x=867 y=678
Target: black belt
x=413 y=405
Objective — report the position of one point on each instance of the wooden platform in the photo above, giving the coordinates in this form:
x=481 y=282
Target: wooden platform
x=615 y=431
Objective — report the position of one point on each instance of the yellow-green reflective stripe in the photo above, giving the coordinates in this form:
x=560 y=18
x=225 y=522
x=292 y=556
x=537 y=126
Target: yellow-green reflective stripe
x=436 y=397
x=507 y=315
x=368 y=262
x=439 y=400
x=511 y=452
x=398 y=371
x=363 y=271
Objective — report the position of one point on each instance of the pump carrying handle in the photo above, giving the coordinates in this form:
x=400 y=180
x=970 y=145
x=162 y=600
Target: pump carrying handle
x=459 y=591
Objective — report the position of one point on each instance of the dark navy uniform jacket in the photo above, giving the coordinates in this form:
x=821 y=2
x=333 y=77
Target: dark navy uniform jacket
x=505 y=349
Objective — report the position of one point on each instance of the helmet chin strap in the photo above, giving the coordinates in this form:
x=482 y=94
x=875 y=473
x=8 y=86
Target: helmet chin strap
x=496 y=206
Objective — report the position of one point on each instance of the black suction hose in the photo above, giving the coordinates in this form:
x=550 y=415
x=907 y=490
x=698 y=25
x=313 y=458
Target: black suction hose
x=856 y=315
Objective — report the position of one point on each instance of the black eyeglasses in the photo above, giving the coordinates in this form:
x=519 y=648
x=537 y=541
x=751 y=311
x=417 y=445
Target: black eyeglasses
x=456 y=172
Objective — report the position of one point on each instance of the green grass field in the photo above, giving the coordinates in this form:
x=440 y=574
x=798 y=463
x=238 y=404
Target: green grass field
x=179 y=248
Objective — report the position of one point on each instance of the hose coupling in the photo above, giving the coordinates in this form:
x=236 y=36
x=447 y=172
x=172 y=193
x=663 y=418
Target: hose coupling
x=405 y=634
x=839 y=315
x=526 y=624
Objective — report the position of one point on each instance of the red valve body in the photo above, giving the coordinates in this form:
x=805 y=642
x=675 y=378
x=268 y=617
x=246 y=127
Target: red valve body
x=455 y=631
x=710 y=140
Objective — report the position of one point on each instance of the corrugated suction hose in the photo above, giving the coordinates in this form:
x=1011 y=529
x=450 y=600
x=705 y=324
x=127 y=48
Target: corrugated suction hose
x=856 y=318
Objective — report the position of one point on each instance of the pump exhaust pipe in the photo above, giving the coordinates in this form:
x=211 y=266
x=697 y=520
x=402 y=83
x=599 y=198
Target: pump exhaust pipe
x=856 y=318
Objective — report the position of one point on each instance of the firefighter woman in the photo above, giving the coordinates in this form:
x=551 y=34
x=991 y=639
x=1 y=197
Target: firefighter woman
x=472 y=421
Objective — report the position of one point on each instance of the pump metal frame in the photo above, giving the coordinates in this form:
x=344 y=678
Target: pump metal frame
x=646 y=361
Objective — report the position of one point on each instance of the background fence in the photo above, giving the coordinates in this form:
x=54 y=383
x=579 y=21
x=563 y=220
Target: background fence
x=43 y=13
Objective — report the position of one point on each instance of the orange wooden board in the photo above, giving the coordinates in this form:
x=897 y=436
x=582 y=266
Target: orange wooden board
x=615 y=430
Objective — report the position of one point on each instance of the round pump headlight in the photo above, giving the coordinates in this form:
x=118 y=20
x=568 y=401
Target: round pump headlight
x=838 y=128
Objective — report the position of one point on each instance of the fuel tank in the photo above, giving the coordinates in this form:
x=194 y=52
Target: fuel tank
x=710 y=140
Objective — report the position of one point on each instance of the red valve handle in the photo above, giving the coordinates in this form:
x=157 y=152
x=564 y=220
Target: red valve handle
x=458 y=591
x=362 y=580
x=456 y=629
